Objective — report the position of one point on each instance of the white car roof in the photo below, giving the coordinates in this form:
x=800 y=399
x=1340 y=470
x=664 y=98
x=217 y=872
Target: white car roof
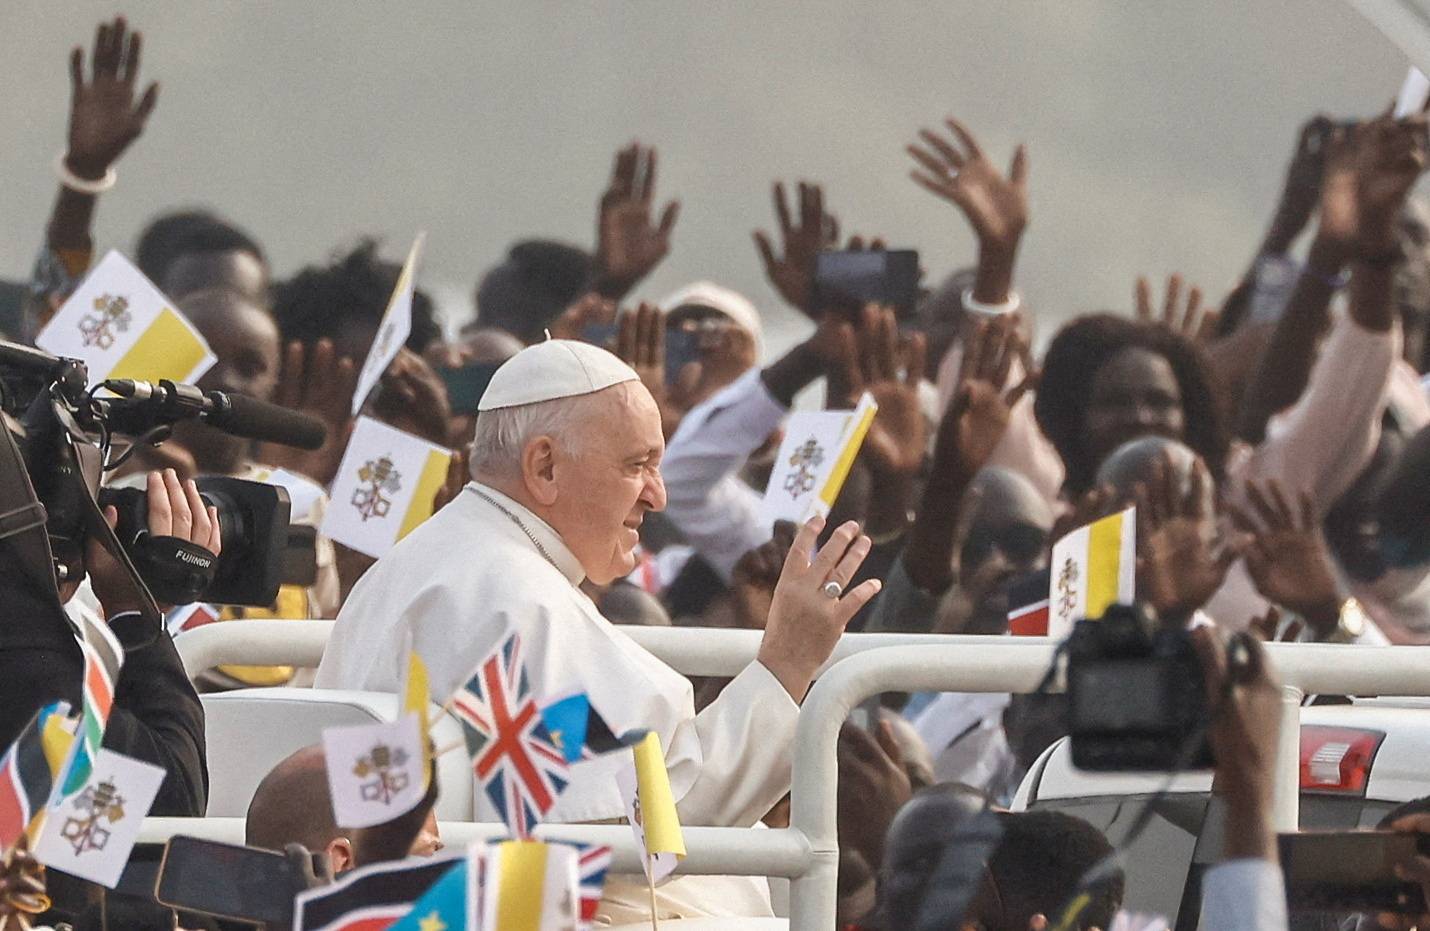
x=1397 y=774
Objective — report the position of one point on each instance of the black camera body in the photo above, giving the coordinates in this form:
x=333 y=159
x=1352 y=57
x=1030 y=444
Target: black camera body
x=1136 y=698
x=54 y=439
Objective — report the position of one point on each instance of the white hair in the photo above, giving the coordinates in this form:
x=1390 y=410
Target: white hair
x=503 y=433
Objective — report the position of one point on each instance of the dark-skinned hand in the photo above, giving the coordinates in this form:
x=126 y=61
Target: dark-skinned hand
x=316 y=382
x=1179 y=566
x=756 y=574
x=629 y=244
x=873 y=785
x=1286 y=556
x=1189 y=318
x=792 y=270
x=104 y=118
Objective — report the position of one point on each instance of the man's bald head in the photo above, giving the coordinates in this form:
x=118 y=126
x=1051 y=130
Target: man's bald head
x=293 y=805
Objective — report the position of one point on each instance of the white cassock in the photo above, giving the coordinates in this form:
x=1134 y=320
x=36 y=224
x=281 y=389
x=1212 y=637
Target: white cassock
x=484 y=566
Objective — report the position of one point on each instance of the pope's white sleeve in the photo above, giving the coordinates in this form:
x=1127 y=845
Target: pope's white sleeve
x=745 y=739
x=719 y=514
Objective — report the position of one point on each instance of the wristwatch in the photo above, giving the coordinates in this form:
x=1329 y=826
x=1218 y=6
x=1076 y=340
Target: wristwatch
x=1350 y=625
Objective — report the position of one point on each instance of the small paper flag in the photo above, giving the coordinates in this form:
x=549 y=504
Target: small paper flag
x=374 y=770
x=121 y=326
x=530 y=886
x=91 y=833
x=1092 y=567
x=814 y=460
x=392 y=333
x=416 y=695
x=650 y=808
x=384 y=488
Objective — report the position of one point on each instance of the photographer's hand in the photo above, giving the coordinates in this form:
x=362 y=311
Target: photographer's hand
x=175 y=510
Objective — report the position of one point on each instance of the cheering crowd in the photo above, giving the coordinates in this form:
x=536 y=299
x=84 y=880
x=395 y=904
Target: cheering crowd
x=610 y=451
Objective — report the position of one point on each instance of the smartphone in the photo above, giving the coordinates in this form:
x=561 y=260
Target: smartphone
x=239 y=883
x=847 y=280
x=1351 y=871
x=466 y=385
x=682 y=345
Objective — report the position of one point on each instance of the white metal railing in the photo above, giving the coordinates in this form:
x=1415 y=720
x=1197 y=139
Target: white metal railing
x=807 y=851
x=693 y=651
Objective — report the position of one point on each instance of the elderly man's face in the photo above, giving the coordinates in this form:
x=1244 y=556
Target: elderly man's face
x=607 y=488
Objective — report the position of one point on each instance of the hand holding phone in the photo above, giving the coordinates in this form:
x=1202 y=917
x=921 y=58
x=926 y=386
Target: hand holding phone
x=1352 y=871
x=846 y=280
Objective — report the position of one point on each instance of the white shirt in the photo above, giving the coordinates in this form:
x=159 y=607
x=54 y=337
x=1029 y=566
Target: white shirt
x=464 y=579
x=718 y=513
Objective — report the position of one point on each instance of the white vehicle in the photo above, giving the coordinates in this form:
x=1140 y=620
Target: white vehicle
x=1358 y=761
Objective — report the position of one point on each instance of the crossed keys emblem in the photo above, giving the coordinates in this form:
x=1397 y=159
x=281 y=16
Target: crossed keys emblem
x=380 y=481
x=96 y=804
x=1068 y=577
x=110 y=313
x=806 y=458
x=383 y=764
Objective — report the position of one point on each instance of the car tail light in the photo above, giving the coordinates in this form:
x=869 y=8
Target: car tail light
x=1337 y=759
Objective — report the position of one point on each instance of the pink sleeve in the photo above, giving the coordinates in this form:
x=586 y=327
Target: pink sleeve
x=1323 y=441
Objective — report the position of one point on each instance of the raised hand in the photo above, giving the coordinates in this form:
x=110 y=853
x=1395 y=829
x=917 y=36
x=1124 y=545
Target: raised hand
x=629 y=244
x=811 y=606
x=1179 y=566
x=104 y=118
x=413 y=398
x=792 y=272
x=1303 y=184
x=640 y=343
x=590 y=309
x=758 y=572
x=1287 y=557
x=894 y=446
x=1369 y=171
x=1188 y=318
x=316 y=382
x=458 y=474
x=996 y=206
x=982 y=405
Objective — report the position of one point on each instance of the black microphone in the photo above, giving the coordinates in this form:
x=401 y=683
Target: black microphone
x=143 y=405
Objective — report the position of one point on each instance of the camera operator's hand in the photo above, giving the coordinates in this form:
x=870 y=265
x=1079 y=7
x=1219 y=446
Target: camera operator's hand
x=175 y=510
x=1245 y=708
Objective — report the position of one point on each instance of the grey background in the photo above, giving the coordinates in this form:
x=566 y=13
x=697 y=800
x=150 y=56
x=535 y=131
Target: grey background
x=1158 y=131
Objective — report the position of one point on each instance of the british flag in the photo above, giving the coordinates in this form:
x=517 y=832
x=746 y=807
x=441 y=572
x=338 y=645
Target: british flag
x=591 y=866
x=519 y=766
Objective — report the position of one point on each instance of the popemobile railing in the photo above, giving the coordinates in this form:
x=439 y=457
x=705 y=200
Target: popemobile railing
x=807 y=851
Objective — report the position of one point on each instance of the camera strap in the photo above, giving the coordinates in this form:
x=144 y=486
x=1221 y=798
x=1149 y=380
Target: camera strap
x=25 y=543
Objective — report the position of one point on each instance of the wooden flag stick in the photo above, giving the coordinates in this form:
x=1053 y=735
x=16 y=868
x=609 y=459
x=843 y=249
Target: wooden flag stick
x=650 y=884
x=443 y=751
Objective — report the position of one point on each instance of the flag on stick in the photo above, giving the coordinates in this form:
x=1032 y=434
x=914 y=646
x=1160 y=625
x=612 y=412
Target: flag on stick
x=516 y=761
x=650 y=808
x=375 y=771
x=449 y=904
x=580 y=731
x=91 y=833
x=392 y=333
x=530 y=886
x=416 y=697
x=103 y=656
x=29 y=771
x=817 y=453
x=1092 y=567
x=121 y=326
x=370 y=898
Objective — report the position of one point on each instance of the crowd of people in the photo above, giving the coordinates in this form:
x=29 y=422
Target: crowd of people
x=1274 y=444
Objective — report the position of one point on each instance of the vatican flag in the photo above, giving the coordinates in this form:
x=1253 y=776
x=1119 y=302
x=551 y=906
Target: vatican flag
x=384 y=487
x=121 y=326
x=814 y=460
x=1091 y=568
x=529 y=886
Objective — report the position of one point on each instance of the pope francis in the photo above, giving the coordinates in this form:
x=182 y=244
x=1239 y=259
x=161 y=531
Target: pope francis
x=565 y=464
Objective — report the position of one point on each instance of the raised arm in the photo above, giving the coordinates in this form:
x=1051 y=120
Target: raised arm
x=995 y=206
x=630 y=242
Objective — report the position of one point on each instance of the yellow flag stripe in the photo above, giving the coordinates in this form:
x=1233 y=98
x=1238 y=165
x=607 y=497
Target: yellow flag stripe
x=414 y=700
x=661 y=822
x=520 y=886
x=169 y=348
x=434 y=473
x=1104 y=558
x=830 y=492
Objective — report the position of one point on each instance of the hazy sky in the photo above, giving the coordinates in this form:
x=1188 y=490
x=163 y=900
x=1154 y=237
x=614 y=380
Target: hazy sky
x=1158 y=131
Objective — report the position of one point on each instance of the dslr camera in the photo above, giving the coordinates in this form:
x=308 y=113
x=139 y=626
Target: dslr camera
x=1136 y=699
x=56 y=441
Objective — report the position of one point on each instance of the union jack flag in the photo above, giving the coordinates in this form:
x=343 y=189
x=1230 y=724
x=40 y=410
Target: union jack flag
x=519 y=765
x=591 y=866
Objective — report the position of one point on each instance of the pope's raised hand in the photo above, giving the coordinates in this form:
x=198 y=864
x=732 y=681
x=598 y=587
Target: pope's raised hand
x=811 y=605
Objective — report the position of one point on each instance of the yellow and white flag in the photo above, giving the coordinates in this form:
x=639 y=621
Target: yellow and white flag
x=375 y=771
x=416 y=698
x=392 y=333
x=814 y=460
x=650 y=808
x=121 y=326
x=1091 y=568
x=529 y=886
x=384 y=487
x=91 y=833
